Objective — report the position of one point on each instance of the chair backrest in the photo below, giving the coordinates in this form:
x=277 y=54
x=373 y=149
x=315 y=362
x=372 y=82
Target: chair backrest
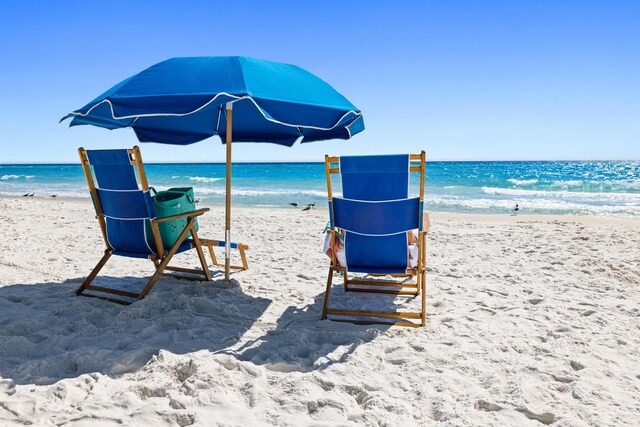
x=122 y=205
x=375 y=210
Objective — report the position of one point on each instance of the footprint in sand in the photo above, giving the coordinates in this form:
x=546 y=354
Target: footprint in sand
x=483 y=405
x=576 y=366
x=563 y=379
x=545 y=418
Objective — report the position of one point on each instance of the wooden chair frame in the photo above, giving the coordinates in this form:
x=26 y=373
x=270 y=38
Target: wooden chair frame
x=162 y=257
x=210 y=244
x=416 y=288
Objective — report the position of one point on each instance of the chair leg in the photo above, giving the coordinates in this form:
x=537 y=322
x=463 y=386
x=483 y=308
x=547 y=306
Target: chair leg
x=210 y=244
x=424 y=297
x=243 y=257
x=94 y=272
x=214 y=260
x=165 y=261
x=203 y=260
x=403 y=317
x=346 y=281
x=327 y=293
x=423 y=272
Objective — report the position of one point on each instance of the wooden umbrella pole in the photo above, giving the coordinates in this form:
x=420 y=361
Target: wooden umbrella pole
x=227 y=216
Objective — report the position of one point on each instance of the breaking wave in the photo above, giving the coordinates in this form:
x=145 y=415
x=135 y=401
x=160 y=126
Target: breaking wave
x=578 y=195
x=15 y=177
x=522 y=181
x=203 y=179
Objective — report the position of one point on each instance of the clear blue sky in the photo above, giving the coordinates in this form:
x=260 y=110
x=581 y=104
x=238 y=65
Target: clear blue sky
x=464 y=80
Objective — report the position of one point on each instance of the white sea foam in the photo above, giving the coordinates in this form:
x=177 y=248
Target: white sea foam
x=10 y=177
x=203 y=179
x=533 y=205
x=627 y=185
x=633 y=185
x=624 y=185
x=619 y=197
x=522 y=181
x=252 y=192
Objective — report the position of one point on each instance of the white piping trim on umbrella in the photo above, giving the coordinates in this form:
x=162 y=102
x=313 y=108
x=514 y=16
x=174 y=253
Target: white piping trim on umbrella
x=348 y=127
x=236 y=99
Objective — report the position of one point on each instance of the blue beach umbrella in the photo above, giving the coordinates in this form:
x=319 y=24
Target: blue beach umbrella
x=186 y=100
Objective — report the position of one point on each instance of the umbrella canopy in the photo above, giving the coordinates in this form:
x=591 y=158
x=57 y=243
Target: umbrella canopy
x=186 y=100
x=182 y=101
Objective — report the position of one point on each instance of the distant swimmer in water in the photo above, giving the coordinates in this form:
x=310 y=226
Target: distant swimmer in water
x=515 y=210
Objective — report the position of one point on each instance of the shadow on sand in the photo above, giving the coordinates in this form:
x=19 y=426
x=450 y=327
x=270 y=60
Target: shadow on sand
x=47 y=333
x=302 y=342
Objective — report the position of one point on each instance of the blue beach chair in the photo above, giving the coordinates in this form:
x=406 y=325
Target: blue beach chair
x=122 y=207
x=373 y=218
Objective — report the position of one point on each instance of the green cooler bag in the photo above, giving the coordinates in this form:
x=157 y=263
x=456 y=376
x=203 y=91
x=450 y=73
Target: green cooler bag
x=173 y=201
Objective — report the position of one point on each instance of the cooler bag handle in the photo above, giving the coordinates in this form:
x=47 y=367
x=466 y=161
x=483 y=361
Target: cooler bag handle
x=183 y=193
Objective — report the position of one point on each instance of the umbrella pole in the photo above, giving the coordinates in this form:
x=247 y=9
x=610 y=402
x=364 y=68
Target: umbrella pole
x=227 y=215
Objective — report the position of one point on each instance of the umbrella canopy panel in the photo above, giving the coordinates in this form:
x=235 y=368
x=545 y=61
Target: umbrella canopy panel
x=182 y=101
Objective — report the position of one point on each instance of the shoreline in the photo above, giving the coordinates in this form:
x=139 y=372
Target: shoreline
x=438 y=215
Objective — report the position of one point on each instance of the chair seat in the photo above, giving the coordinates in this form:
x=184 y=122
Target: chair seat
x=185 y=246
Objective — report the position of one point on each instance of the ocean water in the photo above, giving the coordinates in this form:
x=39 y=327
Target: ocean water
x=610 y=188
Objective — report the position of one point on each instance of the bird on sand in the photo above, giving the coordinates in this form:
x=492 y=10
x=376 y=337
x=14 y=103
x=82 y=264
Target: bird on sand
x=308 y=208
x=312 y=205
x=516 y=209
x=295 y=205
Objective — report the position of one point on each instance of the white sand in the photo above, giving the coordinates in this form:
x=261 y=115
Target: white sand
x=530 y=320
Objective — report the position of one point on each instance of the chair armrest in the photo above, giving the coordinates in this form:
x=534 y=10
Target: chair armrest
x=221 y=243
x=183 y=215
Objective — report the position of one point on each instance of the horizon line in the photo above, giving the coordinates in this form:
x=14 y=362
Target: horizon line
x=321 y=162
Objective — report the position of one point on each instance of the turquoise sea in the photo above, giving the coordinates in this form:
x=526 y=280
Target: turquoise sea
x=610 y=188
